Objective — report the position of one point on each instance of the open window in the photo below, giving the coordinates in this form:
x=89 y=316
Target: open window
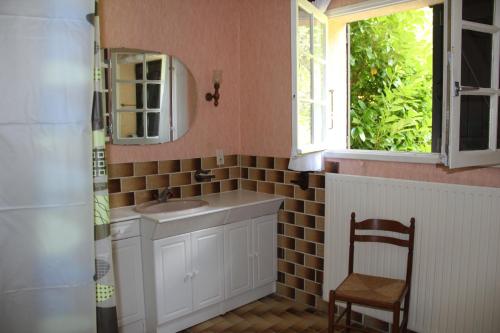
x=309 y=96
x=474 y=90
x=454 y=117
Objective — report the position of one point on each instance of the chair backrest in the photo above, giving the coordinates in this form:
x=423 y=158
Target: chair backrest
x=383 y=225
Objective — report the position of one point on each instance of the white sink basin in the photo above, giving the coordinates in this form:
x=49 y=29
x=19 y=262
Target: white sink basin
x=170 y=206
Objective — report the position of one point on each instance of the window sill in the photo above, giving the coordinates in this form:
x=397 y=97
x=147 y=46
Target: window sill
x=403 y=157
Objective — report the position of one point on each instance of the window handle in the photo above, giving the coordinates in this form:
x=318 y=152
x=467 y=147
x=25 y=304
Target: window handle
x=459 y=88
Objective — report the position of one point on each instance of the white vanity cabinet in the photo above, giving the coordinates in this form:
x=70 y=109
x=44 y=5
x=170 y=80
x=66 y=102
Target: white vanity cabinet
x=127 y=266
x=250 y=248
x=239 y=257
x=189 y=272
x=200 y=264
x=250 y=255
x=265 y=249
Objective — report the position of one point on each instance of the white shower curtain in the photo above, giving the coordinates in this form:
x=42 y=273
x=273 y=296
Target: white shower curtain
x=46 y=234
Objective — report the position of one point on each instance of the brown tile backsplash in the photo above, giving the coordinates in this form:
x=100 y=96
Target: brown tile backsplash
x=157 y=181
x=257 y=174
x=190 y=191
x=221 y=174
x=301 y=219
x=191 y=164
x=183 y=178
x=145 y=168
x=208 y=163
x=265 y=162
x=133 y=184
x=114 y=186
x=250 y=185
x=229 y=185
x=275 y=176
x=209 y=188
x=170 y=166
x=145 y=196
x=121 y=199
x=120 y=170
x=265 y=187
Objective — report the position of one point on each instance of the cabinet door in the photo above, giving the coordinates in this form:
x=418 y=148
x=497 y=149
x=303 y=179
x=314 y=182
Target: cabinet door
x=174 y=296
x=238 y=257
x=208 y=267
x=264 y=238
x=127 y=267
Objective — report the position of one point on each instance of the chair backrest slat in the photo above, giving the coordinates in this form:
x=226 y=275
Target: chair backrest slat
x=385 y=225
x=381 y=239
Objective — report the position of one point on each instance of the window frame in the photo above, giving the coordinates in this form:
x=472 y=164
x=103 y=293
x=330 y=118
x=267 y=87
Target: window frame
x=490 y=156
x=319 y=144
x=378 y=155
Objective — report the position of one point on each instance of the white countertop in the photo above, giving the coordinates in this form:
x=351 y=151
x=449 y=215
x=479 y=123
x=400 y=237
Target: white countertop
x=217 y=202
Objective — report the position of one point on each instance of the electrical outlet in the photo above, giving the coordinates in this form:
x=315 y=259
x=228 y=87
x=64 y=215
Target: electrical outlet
x=220 y=156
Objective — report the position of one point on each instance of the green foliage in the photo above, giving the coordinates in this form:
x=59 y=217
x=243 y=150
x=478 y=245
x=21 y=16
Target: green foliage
x=391 y=82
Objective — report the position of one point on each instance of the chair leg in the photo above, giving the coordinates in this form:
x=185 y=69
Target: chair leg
x=395 y=317
x=406 y=312
x=348 y=316
x=331 y=311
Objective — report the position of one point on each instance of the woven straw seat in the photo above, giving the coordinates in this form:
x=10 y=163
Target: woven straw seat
x=368 y=289
x=375 y=291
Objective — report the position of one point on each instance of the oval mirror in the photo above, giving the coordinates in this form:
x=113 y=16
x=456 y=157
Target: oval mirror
x=153 y=97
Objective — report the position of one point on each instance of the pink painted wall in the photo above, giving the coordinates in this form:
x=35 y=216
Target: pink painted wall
x=422 y=172
x=205 y=35
x=266 y=123
x=250 y=41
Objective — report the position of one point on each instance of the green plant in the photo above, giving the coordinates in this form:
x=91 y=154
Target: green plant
x=391 y=82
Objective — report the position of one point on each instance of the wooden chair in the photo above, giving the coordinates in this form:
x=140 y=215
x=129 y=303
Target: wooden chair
x=374 y=291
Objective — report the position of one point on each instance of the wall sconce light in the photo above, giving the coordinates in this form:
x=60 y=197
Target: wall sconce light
x=217 y=78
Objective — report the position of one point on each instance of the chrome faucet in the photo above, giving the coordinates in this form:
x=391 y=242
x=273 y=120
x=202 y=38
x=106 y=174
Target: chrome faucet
x=166 y=194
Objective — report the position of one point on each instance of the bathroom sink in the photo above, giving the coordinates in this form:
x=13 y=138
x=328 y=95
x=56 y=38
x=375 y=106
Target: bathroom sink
x=170 y=206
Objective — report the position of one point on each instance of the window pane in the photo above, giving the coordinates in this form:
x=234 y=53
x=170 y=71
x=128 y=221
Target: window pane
x=130 y=124
x=478 y=11
x=476 y=59
x=153 y=124
x=319 y=79
x=474 y=122
x=319 y=39
x=154 y=96
x=304 y=77
x=129 y=66
x=304 y=55
x=154 y=64
x=129 y=95
x=305 y=124
x=304 y=32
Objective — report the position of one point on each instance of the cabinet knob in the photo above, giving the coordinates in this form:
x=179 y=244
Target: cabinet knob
x=188 y=276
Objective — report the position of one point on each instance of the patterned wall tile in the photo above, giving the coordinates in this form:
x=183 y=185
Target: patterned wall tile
x=120 y=170
x=169 y=166
x=133 y=184
x=145 y=168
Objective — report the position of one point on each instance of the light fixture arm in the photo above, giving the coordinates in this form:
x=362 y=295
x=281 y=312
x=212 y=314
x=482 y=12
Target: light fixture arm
x=215 y=96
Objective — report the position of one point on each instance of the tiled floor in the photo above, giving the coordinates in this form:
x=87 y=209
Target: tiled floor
x=272 y=314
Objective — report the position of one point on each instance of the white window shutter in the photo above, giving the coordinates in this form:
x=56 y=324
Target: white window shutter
x=459 y=154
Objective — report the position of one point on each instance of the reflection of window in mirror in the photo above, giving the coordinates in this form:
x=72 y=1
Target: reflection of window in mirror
x=138 y=98
x=153 y=97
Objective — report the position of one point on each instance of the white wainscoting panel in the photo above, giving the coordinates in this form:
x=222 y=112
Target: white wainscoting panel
x=456 y=269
